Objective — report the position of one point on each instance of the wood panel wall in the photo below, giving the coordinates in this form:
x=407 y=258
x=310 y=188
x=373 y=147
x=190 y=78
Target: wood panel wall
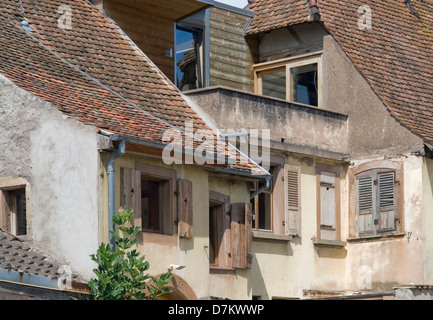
x=154 y=35
x=231 y=61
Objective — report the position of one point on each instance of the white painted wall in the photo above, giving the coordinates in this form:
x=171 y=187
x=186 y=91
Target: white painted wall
x=59 y=158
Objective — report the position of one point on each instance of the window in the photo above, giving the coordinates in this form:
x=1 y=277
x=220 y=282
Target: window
x=15 y=216
x=219 y=230
x=278 y=208
x=328 y=202
x=376 y=202
x=295 y=80
x=150 y=191
x=377 y=199
x=190 y=52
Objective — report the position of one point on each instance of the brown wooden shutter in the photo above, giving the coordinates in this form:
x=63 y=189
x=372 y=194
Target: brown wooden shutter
x=131 y=193
x=185 y=208
x=293 y=200
x=241 y=235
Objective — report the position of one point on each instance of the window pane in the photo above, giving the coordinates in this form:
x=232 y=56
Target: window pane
x=187 y=62
x=151 y=205
x=304 y=84
x=274 y=84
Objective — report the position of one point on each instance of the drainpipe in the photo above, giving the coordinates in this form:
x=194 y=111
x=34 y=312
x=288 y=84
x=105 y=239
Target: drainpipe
x=111 y=188
x=265 y=187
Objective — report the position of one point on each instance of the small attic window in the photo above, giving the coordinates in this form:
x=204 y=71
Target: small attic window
x=13 y=211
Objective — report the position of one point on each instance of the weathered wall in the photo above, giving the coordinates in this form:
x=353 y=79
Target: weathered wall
x=372 y=129
x=289 y=123
x=58 y=157
x=382 y=263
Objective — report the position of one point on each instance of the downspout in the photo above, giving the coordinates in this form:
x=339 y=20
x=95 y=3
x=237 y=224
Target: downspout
x=111 y=188
x=265 y=187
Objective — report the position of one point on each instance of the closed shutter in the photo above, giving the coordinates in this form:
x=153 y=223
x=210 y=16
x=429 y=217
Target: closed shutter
x=328 y=222
x=365 y=204
x=386 y=201
x=185 y=208
x=293 y=201
x=241 y=235
x=131 y=193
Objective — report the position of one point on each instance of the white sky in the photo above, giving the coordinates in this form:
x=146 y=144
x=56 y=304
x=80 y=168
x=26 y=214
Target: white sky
x=235 y=3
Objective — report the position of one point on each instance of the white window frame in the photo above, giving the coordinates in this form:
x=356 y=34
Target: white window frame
x=288 y=64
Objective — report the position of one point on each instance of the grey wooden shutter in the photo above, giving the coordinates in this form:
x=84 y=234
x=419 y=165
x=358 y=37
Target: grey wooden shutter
x=365 y=204
x=293 y=201
x=386 y=201
x=328 y=222
x=185 y=208
x=241 y=235
x=131 y=193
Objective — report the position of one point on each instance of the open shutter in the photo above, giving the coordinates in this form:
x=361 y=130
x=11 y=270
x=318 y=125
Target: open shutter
x=131 y=193
x=241 y=235
x=386 y=201
x=185 y=208
x=328 y=222
x=293 y=201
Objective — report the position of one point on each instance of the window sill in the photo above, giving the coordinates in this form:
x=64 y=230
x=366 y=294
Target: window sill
x=329 y=243
x=381 y=237
x=270 y=236
x=221 y=270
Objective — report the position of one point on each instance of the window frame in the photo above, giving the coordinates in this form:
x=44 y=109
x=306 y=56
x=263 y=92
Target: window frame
x=8 y=187
x=373 y=168
x=169 y=233
x=289 y=63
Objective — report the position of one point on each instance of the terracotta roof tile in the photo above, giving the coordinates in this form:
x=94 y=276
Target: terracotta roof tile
x=395 y=55
x=93 y=73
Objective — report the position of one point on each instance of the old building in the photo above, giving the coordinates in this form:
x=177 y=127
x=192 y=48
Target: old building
x=90 y=88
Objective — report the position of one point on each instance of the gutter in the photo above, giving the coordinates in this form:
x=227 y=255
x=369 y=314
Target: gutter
x=111 y=188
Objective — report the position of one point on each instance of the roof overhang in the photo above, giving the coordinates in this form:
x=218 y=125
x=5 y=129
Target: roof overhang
x=171 y=9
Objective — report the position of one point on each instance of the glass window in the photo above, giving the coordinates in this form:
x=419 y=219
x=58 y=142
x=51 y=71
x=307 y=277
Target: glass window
x=188 y=64
x=304 y=84
x=274 y=84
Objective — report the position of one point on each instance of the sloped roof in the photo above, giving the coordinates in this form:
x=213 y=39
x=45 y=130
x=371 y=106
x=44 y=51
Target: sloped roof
x=18 y=255
x=395 y=55
x=91 y=72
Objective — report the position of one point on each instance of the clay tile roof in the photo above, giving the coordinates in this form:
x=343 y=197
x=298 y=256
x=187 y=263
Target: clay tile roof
x=395 y=55
x=91 y=72
x=19 y=256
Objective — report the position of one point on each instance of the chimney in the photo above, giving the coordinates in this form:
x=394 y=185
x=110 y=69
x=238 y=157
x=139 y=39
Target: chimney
x=313 y=8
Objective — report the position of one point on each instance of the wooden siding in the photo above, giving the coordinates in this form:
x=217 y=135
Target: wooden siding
x=231 y=62
x=154 y=35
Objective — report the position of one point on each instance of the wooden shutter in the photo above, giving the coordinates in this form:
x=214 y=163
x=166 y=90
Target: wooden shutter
x=185 y=208
x=293 y=201
x=365 y=204
x=386 y=201
x=328 y=223
x=131 y=193
x=241 y=235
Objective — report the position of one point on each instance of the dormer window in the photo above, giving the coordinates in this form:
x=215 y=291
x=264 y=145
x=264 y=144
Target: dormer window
x=295 y=80
x=190 y=54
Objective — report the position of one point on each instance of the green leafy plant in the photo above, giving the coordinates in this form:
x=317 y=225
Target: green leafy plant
x=121 y=272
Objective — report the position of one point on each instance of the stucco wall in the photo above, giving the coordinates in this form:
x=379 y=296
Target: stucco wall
x=59 y=159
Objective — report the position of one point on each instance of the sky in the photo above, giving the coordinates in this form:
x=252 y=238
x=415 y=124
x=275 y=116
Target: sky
x=235 y=3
